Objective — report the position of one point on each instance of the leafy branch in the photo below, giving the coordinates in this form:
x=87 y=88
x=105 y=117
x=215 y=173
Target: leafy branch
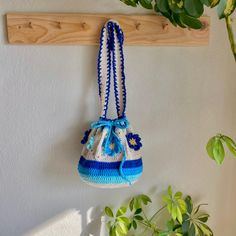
x=186 y=13
x=215 y=147
x=184 y=219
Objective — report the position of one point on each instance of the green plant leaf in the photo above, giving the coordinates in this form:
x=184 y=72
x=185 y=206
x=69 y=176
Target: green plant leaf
x=176 y=206
x=138 y=211
x=124 y=220
x=179 y=215
x=109 y=225
x=189 y=204
x=176 y=18
x=132 y=3
x=170 y=191
x=203 y=218
x=131 y=204
x=194 y=7
x=121 y=228
x=146 y=4
x=177 y=6
x=121 y=211
x=109 y=212
x=230 y=144
x=163 y=5
x=214 y=2
x=137 y=203
x=134 y=224
x=209 y=147
x=145 y=199
x=170 y=225
x=190 y=21
x=178 y=195
x=194 y=222
x=174 y=212
x=112 y=231
x=206 y=2
x=185 y=226
x=218 y=151
x=191 y=231
x=182 y=205
x=138 y=217
x=225 y=8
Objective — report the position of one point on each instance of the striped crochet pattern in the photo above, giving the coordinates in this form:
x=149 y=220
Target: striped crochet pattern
x=111 y=153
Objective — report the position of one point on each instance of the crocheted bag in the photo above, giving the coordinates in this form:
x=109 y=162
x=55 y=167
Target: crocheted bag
x=111 y=153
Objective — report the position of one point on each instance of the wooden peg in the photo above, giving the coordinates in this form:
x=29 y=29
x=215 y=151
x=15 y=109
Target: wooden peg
x=30 y=25
x=59 y=25
x=137 y=26
x=84 y=29
x=164 y=26
x=83 y=25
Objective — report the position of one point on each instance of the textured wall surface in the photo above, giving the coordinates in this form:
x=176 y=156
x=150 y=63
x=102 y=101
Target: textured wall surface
x=177 y=98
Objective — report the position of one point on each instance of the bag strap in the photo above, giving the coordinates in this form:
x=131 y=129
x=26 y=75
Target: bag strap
x=110 y=57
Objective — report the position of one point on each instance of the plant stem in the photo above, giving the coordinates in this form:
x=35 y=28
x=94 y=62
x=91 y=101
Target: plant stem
x=228 y=21
x=157 y=213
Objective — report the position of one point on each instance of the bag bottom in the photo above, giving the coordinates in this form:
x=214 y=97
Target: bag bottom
x=104 y=182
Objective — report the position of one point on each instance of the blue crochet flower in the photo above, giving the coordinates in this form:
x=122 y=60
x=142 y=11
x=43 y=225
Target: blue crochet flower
x=111 y=147
x=134 y=141
x=86 y=135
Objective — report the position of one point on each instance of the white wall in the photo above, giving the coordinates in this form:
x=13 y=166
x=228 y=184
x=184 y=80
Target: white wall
x=177 y=98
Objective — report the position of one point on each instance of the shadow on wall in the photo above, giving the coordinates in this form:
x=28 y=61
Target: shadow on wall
x=63 y=156
x=69 y=223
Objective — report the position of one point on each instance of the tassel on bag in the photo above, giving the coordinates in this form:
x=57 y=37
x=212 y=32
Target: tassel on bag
x=111 y=154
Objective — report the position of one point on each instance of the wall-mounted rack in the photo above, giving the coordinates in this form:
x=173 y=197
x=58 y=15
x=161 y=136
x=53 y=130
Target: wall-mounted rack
x=84 y=29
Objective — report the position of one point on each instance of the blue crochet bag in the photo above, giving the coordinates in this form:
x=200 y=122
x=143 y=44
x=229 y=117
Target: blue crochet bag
x=111 y=153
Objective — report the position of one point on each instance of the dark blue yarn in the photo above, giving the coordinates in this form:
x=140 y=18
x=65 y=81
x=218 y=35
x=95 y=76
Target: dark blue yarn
x=99 y=60
x=109 y=165
x=112 y=27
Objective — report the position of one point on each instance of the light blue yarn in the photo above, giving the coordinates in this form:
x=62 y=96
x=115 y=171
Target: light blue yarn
x=121 y=123
x=110 y=179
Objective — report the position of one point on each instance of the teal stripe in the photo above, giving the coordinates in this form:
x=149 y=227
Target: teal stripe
x=109 y=172
x=110 y=180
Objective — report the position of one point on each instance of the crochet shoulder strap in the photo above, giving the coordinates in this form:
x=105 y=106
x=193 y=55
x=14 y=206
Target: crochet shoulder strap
x=110 y=58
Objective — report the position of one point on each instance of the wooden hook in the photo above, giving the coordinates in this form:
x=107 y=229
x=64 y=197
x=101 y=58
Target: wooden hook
x=30 y=25
x=164 y=25
x=83 y=25
x=204 y=25
x=59 y=25
x=137 y=26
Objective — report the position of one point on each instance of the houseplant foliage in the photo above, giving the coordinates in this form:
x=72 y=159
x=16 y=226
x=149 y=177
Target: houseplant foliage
x=215 y=147
x=184 y=219
x=186 y=14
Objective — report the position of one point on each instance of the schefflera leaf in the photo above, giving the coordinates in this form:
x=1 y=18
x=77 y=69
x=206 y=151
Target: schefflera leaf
x=226 y=8
x=194 y=221
x=146 y=4
x=194 y=7
x=176 y=6
x=214 y=3
x=210 y=146
x=132 y=3
x=206 y=2
x=215 y=149
x=175 y=204
x=230 y=144
x=218 y=151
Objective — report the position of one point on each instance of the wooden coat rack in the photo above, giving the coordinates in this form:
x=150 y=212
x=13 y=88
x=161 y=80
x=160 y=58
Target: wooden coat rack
x=84 y=29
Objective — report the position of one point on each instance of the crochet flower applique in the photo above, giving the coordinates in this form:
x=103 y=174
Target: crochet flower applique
x=134 y=141
x=111 y=147
x=86 y=135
